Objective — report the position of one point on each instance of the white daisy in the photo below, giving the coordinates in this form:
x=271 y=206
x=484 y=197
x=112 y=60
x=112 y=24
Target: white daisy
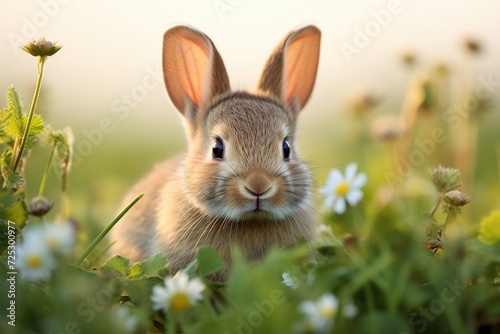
x=127 y=322
x=34 y=259
x=320 y=314
x=178 y=294
x=340 y=189
x=59 y=237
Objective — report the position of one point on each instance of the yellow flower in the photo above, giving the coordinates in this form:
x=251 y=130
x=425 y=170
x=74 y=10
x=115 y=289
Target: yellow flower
x=489 y=228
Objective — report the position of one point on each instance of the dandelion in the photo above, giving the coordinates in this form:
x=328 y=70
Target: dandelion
x=320 y=314
x=340 y=188
x=178 y=294
x=34 y=258
x=489 y=228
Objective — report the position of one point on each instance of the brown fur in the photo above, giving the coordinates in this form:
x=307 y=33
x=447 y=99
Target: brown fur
x=253 y=198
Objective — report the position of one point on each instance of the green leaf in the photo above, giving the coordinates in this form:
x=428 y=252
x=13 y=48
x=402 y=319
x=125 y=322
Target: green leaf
x=149 y=267
x=116 y=266
x=4 y=120
x=37 y=125
x=14 y=104
x=13 y=208
x=13 y=180
x=15 y=128
x=209 y=261
x=139 y=290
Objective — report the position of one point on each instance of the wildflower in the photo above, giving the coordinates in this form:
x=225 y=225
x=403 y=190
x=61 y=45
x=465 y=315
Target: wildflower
x=178 y=294
x=34 y=258
x=60 y=237
x=489 y=228
x=445 y=179
x=320 y=315
x=41 y=48
x=126 y=322
x=289 y=281
x=39 y=206
x=341 y=188
x=456 y=198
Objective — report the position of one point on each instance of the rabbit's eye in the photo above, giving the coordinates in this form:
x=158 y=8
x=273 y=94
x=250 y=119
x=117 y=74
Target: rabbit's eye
x=286 y=149
x=218 y=149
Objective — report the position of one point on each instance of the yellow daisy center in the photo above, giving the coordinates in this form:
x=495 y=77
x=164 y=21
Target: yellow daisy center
x=34 y=261
x=326 y=312
x=342 y=189
x=180 y=302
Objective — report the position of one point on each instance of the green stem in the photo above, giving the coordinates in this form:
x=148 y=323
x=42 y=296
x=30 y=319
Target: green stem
x=449 y=217
x=170 y=329
x=46 y=172
x=433 y=211
x=41 y=63
x=106 y=230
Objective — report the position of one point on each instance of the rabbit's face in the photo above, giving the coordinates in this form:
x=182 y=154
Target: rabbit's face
x=249 y=167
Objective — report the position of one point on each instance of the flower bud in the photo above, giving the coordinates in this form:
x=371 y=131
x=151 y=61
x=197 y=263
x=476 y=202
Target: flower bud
x=41 y=48
x=39 y=206
x=445 y=179
x=456 y=198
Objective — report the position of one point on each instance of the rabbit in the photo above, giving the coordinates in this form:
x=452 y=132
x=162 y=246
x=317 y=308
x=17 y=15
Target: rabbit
x=241 y=182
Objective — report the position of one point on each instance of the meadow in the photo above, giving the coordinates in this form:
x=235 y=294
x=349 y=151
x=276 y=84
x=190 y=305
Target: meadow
x=415 y=250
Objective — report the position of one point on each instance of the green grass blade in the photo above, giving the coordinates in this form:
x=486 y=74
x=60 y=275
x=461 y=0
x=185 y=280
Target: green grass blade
x=106 y=230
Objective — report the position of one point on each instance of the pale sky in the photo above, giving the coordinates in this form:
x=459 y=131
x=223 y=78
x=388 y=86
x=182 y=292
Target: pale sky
x=112 y=49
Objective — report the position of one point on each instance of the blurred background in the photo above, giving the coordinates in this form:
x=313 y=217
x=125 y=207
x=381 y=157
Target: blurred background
x=381 y=63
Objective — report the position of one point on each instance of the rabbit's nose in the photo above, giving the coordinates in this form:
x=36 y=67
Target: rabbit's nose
x=259 y=185
x=257 y=194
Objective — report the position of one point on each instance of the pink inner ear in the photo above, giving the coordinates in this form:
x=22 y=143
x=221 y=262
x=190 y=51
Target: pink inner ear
x=301 y=61
x=195 y=61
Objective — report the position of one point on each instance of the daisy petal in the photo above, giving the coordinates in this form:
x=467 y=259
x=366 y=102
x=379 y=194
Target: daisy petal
x=350 y=172
x=329 y=201
x=354 y=196
x=334 y=178
x=359 y=181
x=339 y=206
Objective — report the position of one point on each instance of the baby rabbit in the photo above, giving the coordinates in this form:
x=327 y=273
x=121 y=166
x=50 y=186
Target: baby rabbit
x=241 y=182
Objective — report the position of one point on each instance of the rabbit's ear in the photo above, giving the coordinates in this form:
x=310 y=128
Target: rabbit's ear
x=291 y=70
x=192 y=69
